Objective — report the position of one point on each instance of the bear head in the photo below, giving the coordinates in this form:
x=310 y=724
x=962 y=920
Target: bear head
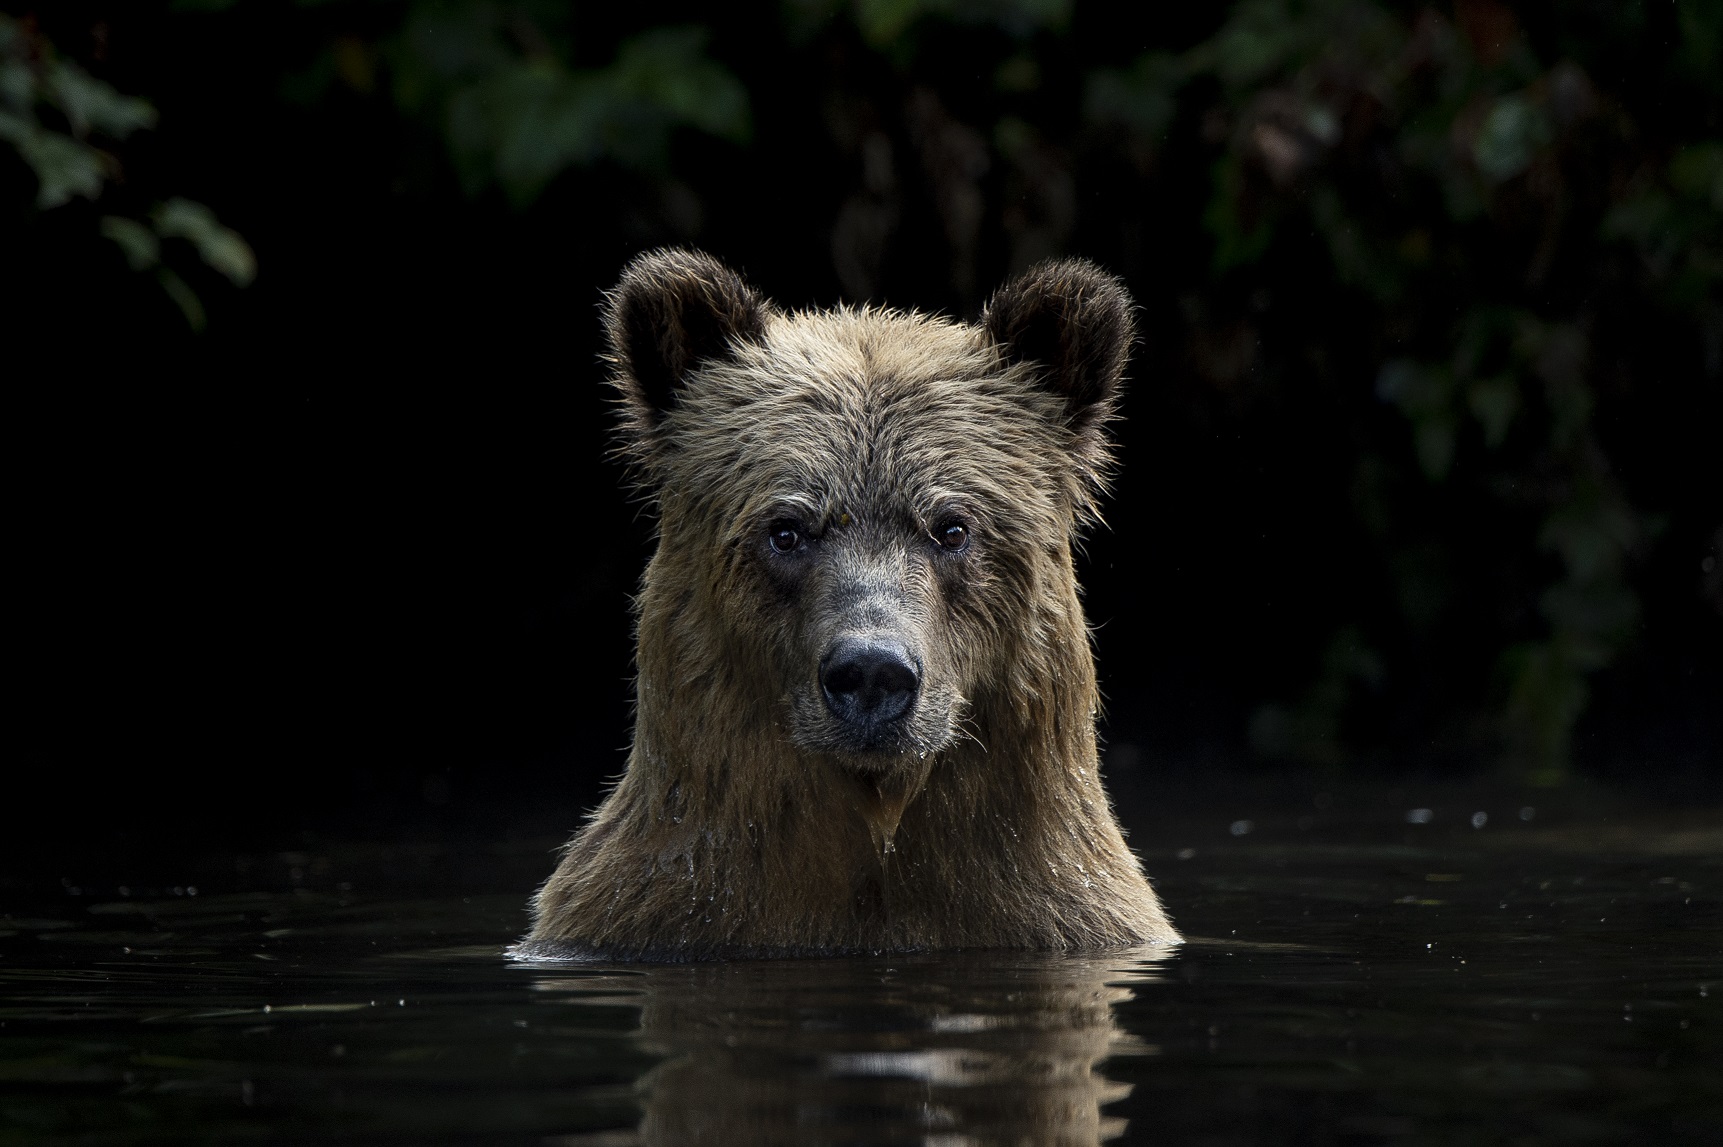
x=865 y=516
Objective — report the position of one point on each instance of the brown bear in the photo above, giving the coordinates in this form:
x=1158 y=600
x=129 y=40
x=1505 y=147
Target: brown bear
x=866 y=697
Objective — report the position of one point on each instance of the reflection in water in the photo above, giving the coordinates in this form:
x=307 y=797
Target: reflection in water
x=961 y=1049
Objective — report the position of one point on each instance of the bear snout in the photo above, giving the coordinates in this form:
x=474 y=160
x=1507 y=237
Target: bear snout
x=869 y=684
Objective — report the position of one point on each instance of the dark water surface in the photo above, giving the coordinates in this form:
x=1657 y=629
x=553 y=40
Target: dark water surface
x=1349 y=979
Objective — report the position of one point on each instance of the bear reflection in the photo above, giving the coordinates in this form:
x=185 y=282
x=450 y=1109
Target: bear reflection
x=1000 y=1049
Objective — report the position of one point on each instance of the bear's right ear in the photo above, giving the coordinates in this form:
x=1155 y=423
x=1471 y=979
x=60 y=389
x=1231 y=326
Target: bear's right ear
x=672 y=310
x=1072 y=321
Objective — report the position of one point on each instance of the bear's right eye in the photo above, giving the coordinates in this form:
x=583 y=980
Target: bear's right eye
x=784 y=537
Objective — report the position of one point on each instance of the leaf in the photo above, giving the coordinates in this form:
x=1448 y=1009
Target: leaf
x=142 y=249
x=1510 y=137
x=1356 y=259
x=883 y=21
x=64 y=166
x=220 y=247
x=1697 y=172
x=1494 y=402
x=520 y=121
x=667 y=69
x=1424 y=395
x=17 y=80
x=1141 y=99
x=1258 y=38
x=185 y=298
x=1237 y=240
x=1546 y=694
x=90 y=104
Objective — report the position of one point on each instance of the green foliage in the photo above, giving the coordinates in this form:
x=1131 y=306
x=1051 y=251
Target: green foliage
x=1311 y=730
x=220 y=248
x=886 y=25
x=67 y=161
x=1342 y=119
x=497 y=83
x=58 y=117
x=1141 y=99
x=1473 y=216
x=514 y=112
x=1675 y=224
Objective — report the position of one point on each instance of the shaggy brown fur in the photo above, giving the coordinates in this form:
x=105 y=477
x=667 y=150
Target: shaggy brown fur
x=859 y=475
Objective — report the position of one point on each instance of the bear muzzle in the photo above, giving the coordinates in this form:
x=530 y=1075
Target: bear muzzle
x=870 y=685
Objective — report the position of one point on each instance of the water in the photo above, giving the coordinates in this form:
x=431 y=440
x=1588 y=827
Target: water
x=1349 y=980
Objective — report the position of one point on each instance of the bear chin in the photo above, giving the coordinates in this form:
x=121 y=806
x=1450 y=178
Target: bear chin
x=877 y=749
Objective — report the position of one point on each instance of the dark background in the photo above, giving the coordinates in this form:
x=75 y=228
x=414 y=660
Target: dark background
x=352 y=559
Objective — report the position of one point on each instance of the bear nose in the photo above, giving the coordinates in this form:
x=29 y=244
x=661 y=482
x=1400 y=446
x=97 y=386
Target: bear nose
x=869 y=682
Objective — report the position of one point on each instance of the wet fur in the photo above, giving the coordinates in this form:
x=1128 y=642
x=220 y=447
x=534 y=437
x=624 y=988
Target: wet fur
x=733 y=831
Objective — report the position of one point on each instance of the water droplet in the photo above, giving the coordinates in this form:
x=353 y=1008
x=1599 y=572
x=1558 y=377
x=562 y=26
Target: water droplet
x=1480 y=819
x=1242 y=827
x=1420 y=816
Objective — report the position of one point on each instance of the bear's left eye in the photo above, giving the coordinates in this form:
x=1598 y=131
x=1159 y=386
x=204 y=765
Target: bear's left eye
x=951 y=536
x=783 y=537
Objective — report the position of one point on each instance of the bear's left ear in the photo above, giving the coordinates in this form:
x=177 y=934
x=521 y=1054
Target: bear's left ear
x=1073 y=320
x=673 y=310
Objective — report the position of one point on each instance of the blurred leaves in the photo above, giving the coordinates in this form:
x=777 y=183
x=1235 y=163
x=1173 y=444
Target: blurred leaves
x=63 y=155
x=1674 y=220
x=1347 y=119
x=1141 y=98
x=1311 y=730
x=57 y=115
x=886 y=24
x=1469 y=210
x=220 y=248
x=1512 y=132
x=495 y=79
